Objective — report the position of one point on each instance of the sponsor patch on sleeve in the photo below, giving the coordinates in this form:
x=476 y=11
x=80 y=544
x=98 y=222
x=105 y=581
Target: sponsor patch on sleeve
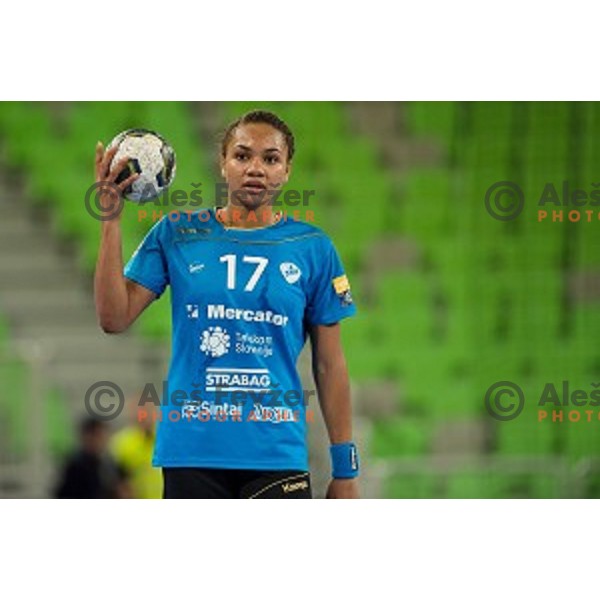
x=341 y=285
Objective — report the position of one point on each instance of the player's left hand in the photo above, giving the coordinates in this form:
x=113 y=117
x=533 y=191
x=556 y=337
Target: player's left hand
x=342 y=489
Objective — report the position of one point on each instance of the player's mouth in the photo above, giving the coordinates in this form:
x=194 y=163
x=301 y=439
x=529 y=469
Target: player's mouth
x=254 y=187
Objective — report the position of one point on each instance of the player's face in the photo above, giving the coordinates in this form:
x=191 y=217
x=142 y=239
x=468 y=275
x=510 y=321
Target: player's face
x=96 y=441
x=255 y=162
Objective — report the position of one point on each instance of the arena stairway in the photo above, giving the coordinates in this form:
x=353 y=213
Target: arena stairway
x=48 y=306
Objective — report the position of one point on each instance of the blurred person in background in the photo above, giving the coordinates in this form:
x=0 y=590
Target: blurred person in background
x=90 y=472
x=132 y=449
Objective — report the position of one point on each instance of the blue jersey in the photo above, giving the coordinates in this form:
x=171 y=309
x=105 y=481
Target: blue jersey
x=242 y=302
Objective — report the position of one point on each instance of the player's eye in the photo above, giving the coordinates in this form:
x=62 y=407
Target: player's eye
x=241 y=156
x=272 y=159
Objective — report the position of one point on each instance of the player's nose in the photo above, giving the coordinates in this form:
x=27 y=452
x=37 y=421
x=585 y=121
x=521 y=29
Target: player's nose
x=255 y=167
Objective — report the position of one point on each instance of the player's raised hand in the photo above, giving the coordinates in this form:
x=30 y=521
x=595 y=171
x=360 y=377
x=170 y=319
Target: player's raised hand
x=110 y=191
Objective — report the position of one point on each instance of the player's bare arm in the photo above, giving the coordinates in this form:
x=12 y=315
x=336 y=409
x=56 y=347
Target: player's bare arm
x=333 y=386
x=119 y=301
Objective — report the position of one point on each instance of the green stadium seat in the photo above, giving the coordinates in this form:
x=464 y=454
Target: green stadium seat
x=499 y=486
x=15 y=411
x=476 y=485
x=399 y=436
x=413 y=487
x=431 y=119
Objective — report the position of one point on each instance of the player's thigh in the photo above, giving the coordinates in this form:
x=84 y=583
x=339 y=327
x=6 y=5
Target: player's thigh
x=179 y=483
x=291 y=485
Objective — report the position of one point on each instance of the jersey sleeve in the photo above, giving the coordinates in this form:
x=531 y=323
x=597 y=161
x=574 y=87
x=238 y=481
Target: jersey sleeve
x=329 y=299
x=148 y=265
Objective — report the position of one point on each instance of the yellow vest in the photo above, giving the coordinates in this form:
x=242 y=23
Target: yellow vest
x=132 y=449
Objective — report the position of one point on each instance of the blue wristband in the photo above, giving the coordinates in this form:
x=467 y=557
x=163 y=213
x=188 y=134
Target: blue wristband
x=344 y=460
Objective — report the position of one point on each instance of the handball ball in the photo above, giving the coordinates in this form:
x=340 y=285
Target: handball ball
x=151 y=156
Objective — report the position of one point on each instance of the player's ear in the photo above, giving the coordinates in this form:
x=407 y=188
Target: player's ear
x=222 y=166
x=288 y=171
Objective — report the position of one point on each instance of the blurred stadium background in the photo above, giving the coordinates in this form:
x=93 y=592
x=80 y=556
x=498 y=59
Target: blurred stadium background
x=450 y=299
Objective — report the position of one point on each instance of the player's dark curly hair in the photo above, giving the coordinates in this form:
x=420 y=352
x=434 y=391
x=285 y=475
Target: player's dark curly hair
x=260 y=116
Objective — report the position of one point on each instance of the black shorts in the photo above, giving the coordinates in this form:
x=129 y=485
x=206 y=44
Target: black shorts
x=235 y=483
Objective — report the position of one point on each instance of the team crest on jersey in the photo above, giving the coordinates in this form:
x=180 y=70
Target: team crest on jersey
x=291 y=272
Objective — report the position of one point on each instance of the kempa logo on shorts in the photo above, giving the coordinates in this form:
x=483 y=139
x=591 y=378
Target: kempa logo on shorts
x=293 y=487
x=220 y=311
x=291 y=272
